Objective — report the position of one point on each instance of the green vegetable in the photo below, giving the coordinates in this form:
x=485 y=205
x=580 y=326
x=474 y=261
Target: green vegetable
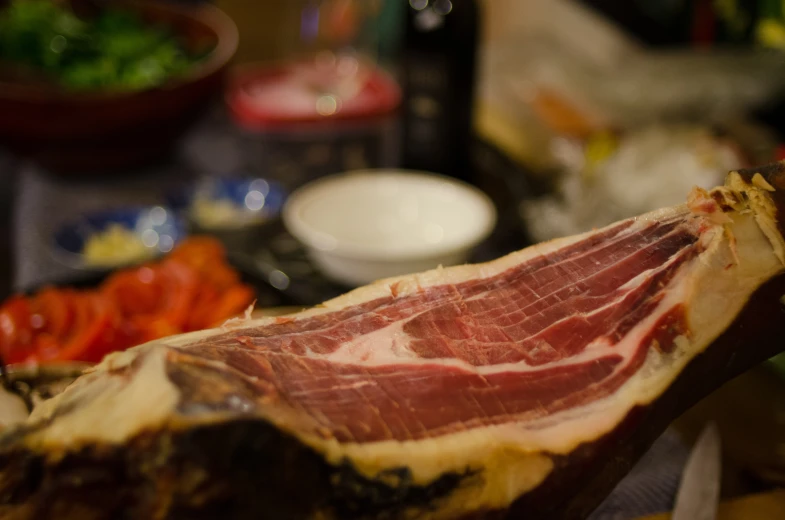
x=114 y=51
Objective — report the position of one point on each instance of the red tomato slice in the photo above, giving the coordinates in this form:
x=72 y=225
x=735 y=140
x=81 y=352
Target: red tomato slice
x=92 y=333
x=192 y=289
x=181 y=285
x=150 y=330
x=207 y=256
x=16 y=330
x=232 y=303
x=114 y=337
x=135 y=291
x=54 y=306
x=46 y=346
x=202 y=307
x=163 y=291
x=199 y=252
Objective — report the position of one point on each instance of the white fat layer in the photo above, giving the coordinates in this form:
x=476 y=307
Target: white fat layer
x=763 y=207
x=111 y=407
x=510 y=459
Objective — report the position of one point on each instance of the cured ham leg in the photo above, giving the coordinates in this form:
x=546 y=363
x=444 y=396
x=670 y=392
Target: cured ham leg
x=520 y=388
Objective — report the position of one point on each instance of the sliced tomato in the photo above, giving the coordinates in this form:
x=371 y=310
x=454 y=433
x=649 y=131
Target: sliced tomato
x=116 y=336
x=192 y=289
x=208 y=257
x=166 y=290
x=232 y=303
x=199 y=251
x=16 y=330
x=46 y=347
x=150 y=330
x=136 y=291
x=181 y=285
x=92 y=334
x=54 y=306
x=202 y=308
x=155 y=300
x=220 y=276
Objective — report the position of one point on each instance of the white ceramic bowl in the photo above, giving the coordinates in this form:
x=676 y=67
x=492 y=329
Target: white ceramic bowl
x=367 y=225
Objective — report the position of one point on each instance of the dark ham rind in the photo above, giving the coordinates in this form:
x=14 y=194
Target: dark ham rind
x=218 y=458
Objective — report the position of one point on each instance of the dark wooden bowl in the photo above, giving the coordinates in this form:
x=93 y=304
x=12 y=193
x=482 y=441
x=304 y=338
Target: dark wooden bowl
x=95 y=132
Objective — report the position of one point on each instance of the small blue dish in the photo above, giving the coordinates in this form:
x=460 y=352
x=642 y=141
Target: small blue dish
x=252 y=201
x=159 y=229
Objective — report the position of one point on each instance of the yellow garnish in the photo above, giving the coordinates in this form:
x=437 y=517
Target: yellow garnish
x=115 y=245
x=599 y=147
x=222 y=214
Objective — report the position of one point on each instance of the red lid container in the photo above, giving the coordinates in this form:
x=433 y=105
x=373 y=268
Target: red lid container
x=299 y=121
x=272 y=97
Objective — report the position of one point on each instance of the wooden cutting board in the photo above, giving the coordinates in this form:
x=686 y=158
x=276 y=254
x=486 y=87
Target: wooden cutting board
x=763 y=506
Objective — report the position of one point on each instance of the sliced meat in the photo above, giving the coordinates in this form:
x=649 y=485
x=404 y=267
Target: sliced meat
x=522 y=387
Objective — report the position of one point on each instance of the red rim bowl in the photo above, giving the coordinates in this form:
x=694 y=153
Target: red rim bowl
x=94 y=132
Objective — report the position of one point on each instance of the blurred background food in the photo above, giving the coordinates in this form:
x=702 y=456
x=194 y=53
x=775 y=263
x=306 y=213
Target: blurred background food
x=111 y=89
x=149 y=148
x=115 y=245
x=113 y=50
x=608 y=176
x=118 y=237
x=192 y=288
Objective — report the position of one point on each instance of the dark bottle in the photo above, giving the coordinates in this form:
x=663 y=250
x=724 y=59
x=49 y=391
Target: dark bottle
x=438 y=73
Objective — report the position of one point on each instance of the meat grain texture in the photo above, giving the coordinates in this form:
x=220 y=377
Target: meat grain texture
x=525 y=387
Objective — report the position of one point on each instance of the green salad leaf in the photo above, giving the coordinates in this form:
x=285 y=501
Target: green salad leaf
x=115 y=50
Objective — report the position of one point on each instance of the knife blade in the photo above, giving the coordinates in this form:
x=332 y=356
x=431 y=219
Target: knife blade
x=699 y=492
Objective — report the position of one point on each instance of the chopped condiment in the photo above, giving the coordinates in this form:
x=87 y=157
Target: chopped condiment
x=212 y=213
x=116 y=245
